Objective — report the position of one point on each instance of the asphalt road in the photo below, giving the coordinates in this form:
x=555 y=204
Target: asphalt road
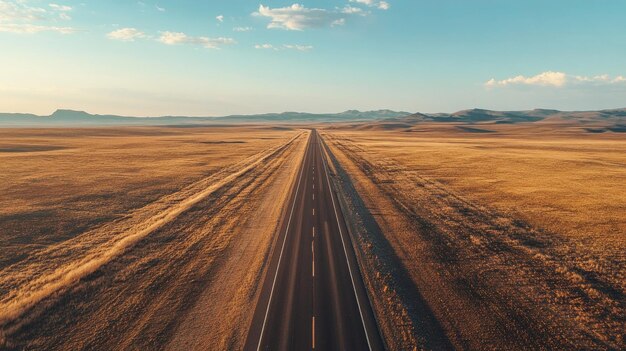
x=313 y=297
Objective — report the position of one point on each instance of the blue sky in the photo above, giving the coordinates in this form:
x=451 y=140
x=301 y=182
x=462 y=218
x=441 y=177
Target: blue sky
x=238 y=56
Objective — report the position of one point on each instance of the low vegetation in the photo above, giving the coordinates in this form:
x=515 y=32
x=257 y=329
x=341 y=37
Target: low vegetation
x=154 y=226
x=512 y=238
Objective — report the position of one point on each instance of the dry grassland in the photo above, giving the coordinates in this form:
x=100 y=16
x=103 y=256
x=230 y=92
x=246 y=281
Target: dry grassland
x=117 y=238
x=57 y=183
x=505 y=236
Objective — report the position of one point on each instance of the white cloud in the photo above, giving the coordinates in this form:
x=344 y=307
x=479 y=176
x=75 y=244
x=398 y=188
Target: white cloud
x=220 y=18
x=351 y=10
x=619 y=79
x=298 y=17
x=173 y=38
x=549 y=78
x=284 y=47
x=601 y=79
x=170 y=38
x=62 y=8
x=126 y=34
x=14 y=11
x=62 y=11
x=242 y=29
x=298 y=47
x=28 y=28
x=19 y=17
x=555 y=79
x=159 y=8
x=382 y=5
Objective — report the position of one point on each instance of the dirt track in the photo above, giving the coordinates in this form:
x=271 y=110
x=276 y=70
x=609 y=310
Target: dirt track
x=131 y=283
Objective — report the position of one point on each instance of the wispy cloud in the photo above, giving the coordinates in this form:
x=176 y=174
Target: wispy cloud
x=62 y=11
x=220 y=18
x=28 y=28
x=20 y=17
x=284 y=47
x=555 y=79
x=126 y=34
x=383 y=5
x=159 y=8
x=604 y=78
x=174 y=38
x=351 y=10
x=298 y=17
x=242 y=29
x=298 y=47
x=13 y=11
x=170 y=38
x=62 y=8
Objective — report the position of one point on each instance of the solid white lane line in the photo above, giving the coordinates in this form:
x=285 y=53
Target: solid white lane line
x=280 y=258
x=313 y=252
x=356 y=296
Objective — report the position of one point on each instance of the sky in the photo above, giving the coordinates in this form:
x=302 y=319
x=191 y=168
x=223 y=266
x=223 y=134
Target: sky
x=211 y=58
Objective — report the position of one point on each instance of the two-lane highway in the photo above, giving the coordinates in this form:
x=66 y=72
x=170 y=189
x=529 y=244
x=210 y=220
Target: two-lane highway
x=313 y=296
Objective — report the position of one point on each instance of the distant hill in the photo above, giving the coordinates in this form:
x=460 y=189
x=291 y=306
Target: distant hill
x=81 y=118
x=597 y=121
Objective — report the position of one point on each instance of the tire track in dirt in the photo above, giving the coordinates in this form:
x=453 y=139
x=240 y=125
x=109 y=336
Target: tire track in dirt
x=57 y=269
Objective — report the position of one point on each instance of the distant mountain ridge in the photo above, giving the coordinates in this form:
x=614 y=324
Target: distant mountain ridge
x=81 y=118
x=613 y=120
x=387 y=119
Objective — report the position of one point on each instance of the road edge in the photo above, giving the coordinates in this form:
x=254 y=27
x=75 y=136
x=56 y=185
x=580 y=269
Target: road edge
x=351 y=235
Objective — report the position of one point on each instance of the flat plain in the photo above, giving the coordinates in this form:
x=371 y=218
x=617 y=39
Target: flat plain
x=490 y=236
x=467 y=235
x=124 y=237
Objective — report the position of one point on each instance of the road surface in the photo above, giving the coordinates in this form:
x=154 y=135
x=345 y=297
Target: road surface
x=313 y=297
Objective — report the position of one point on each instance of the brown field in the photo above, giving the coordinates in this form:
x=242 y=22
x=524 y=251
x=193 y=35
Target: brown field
x=117 y=238
x=482 y=236
x=490 y=236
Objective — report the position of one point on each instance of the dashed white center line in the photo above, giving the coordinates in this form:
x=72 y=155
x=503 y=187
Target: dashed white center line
x=314 y=232
x=314 y=212
x=313 y=197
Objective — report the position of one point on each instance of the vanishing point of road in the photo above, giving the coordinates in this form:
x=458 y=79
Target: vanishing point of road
x=313 y=296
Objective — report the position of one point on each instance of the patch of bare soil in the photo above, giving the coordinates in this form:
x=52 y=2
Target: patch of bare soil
x=446 y=272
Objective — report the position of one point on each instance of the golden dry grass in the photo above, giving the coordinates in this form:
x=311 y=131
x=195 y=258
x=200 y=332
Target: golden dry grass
x=171 y=218
x=565 y=182
x=510 y=239
x=57 y=183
